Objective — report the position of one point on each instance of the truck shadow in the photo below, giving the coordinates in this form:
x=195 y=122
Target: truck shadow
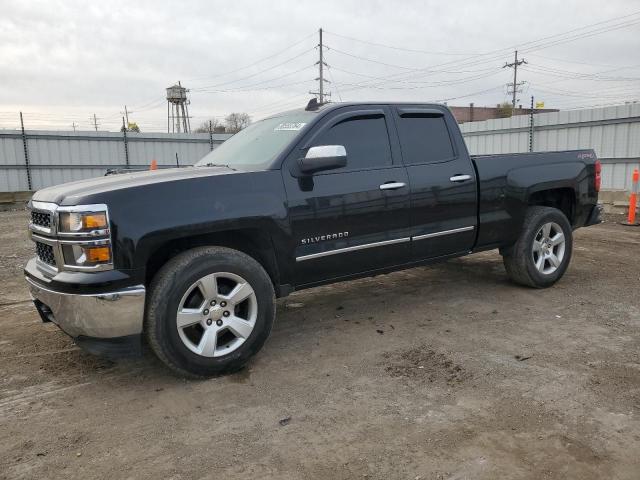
x=362 y=304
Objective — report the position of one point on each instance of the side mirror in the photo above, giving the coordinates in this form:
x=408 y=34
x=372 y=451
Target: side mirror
x=323 y=157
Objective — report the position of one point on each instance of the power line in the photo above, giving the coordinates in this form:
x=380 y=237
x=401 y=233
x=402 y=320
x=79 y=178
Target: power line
x=530 y=46
x=393 y=47
x=269 y=87
x=596 y=77
x=253 y=74
x=243 y=87
x=256 y=62
x=333 y=82
x=415 y=84
x=591 y=64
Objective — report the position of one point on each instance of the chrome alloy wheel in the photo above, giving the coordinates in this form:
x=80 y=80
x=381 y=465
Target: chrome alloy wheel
x=217 y=314
x=548 y=248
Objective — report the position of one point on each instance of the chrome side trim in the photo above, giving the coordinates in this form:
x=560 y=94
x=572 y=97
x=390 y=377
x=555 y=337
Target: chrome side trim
x=351 y=249
x=443 y=232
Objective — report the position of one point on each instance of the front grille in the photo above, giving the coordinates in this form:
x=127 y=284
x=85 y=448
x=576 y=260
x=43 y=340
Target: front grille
x=41 y=219
x=45 y=253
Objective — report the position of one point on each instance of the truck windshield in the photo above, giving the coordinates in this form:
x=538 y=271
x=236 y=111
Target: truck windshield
x=256 y=146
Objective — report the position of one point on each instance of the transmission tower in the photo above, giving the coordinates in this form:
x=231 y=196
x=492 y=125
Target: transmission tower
x=178 y=109
x=322 y=96
x=515 y=86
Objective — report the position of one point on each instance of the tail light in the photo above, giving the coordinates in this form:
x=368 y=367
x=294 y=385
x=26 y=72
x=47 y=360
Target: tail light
x=598 y=179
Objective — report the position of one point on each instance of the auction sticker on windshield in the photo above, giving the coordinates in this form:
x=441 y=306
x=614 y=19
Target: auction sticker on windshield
x=289 y=126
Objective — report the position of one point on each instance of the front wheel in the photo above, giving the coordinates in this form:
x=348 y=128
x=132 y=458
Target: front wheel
x=543 y=250
x=209 y=310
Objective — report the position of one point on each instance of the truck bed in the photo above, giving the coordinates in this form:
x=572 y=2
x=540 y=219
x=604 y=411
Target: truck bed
x=505 y=181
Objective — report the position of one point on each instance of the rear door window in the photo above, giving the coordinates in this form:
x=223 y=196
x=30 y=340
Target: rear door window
x=424 y=138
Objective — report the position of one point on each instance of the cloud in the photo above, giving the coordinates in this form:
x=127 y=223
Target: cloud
x=62 y=61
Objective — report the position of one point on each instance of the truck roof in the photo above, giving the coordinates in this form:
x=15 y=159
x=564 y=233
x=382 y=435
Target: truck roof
x=333 y=105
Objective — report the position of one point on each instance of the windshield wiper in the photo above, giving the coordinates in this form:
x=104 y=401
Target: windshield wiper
x=218 y=165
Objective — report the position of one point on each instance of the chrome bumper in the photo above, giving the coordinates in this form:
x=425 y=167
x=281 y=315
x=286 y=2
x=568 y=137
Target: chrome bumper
x=103 y=315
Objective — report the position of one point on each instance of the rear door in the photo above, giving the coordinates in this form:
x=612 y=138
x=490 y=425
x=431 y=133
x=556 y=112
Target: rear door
x=355 y=218
x=442 y=179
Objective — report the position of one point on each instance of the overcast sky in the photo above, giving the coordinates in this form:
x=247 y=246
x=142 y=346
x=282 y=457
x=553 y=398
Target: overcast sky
x=62 y=61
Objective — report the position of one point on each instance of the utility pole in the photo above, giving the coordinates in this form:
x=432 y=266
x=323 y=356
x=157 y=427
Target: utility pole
x=321 y=80
x=126 y=115
x=126 y=146
x=531 y=126
x=210 y=136
x=74 y=126
x=515 y=85
x=26 y=153
x=95 y=122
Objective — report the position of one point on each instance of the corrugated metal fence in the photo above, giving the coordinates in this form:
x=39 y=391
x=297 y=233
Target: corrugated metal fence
x=53 y=157
x=56 y=157
x=613 y=132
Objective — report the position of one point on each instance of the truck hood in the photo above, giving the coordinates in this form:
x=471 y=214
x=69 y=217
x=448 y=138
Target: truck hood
x=72 y=193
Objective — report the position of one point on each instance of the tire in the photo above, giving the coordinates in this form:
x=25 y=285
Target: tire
x=538 y=258
x=206 y=286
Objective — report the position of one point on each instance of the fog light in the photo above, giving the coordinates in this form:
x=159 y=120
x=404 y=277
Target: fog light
x=85 y=255
x=98 y=254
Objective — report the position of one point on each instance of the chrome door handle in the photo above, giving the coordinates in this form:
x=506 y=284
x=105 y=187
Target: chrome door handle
x=392 y=186
x=460 y=178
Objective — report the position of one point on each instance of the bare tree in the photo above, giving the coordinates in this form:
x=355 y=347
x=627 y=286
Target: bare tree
x=204 y=126
x=234 y=122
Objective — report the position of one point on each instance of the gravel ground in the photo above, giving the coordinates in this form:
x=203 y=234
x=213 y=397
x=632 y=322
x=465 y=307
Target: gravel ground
x=443 y=372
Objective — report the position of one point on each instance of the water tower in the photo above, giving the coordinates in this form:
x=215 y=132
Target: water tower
x=177 y=109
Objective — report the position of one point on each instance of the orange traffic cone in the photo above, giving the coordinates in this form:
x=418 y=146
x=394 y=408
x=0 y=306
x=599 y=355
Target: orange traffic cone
x=633 y=199
x=154 y=165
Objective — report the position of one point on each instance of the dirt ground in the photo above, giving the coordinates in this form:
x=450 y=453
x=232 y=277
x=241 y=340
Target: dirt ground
x=444 y=372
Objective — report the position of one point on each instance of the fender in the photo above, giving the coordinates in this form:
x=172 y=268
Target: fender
x=149 y=218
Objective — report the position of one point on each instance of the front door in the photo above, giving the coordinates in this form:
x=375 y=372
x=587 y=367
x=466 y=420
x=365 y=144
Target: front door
x=355 y=218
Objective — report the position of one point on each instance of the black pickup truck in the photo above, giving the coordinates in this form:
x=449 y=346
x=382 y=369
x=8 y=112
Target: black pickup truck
x=191 y=260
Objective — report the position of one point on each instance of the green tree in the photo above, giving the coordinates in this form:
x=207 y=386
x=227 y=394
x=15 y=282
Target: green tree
x=132 y=127
x=505 y=110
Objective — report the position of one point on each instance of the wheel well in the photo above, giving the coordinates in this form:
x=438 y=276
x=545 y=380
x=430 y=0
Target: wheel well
x=254 y=242
x=561 y=198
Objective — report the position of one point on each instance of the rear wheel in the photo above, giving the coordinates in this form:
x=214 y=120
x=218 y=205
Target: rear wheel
x=209 y=310
x=543 y=250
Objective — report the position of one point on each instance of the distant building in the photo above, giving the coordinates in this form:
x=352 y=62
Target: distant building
x=476 y=114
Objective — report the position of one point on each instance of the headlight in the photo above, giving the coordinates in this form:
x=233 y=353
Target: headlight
x=80 y=222
x=84 y=237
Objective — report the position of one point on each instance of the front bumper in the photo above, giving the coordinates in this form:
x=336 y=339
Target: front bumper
x=109 y=316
